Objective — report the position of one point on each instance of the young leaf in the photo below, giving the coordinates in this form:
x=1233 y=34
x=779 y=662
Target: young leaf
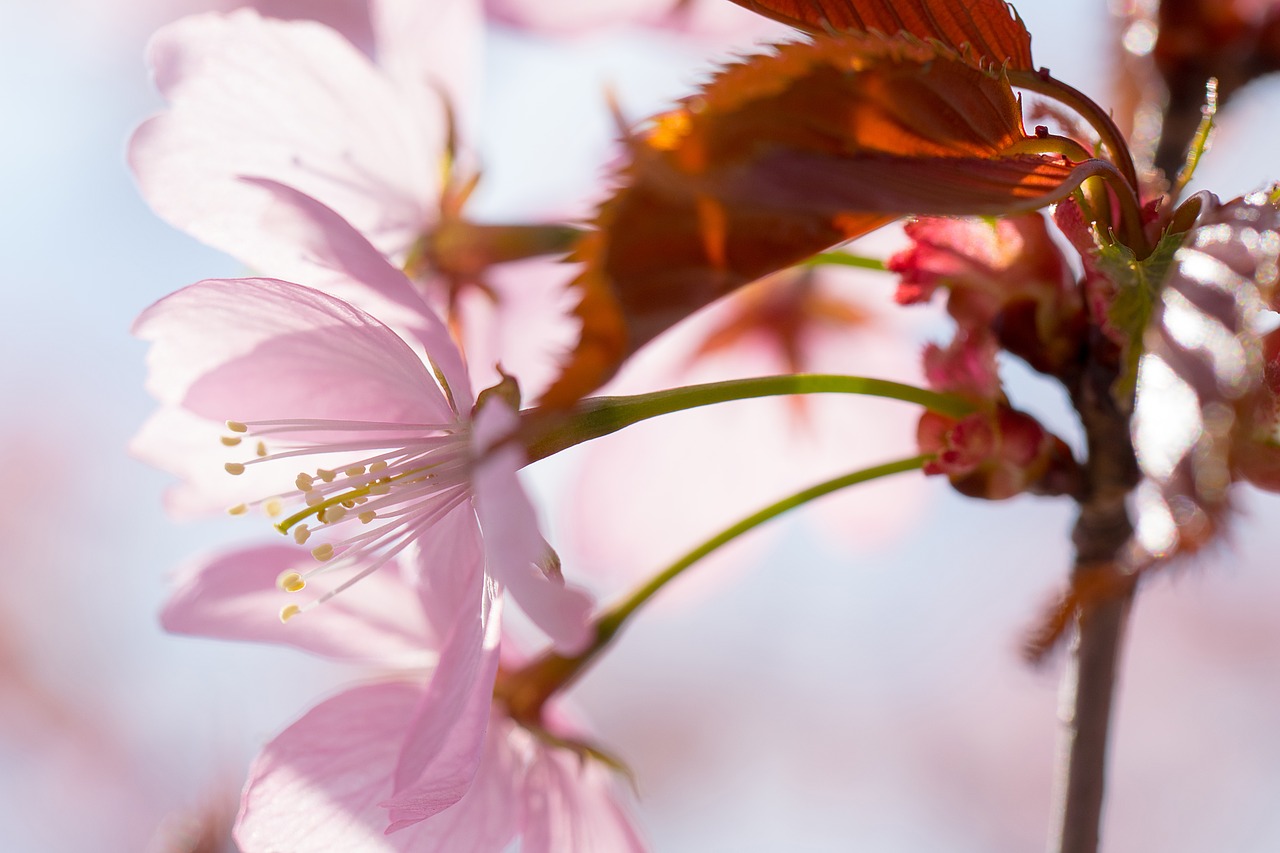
x=783 y=156
x=985 y=30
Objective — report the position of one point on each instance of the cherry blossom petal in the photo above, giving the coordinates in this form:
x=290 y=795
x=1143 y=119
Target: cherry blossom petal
x=252 y=349
x=705 y=18
x=431 y=50
x=442 y=749
x=525 y=327
x=315 y=788
x=333 y=257
x=572 y=806
x=234 y=596
x=514 y=547
x=290 y=101
x=174 y=440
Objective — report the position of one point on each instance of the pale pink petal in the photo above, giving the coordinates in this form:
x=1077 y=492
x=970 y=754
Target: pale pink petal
x=526 y=327
x=572 y=806
x=487 y=818
x=431 y=50
x=442 y=750
x=251 y=349
x=514 y=547
x=449 y=555
x=699 y=17
x=174 y=440
x=315 y=788
x=293 y=102
x=234 y=596
x=332 y=256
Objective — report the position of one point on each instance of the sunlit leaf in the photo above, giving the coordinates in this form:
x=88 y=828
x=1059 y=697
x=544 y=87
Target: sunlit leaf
x=1202 y=370
x=1138 y=284
x=986 y=29
x=783 y=156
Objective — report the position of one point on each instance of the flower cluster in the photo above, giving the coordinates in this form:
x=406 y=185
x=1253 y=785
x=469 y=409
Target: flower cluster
x=364 y=391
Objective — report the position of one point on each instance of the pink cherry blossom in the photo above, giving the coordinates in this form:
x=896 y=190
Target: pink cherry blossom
x=394 y=462
x=257 y=104
x=295 y=102
x=410 y=762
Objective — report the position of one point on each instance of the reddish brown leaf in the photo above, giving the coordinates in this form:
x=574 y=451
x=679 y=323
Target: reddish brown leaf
x=987 y=30
x=783 y=156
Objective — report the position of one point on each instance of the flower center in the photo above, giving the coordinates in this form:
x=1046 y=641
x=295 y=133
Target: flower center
x=395 y=482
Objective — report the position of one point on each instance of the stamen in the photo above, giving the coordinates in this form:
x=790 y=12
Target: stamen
x=238 y=509
x=406 y=479
x=291 y=582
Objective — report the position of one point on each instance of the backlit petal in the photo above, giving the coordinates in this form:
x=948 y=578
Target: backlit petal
x=234 y=596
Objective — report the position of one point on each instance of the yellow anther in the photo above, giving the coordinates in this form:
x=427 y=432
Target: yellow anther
x=301 y=534
x=262 y=448
x=230 y=440
x=380 y=465
x=349 y=503
x=313 y=498
x=326 y=475
x=236 y=426
x=367 y=516
x=323 y=552
x=354 y=471
x=291 y=582
x=334 y=514
x=289 y=611
x=273 y=507
x=304 y=482
x=234 y=468
x=380 y=489
x=238 y=509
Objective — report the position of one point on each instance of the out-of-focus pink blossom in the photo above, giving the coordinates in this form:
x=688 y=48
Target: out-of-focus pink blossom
x=704 y=18
x=297 y=103
x=725 y=462
x=409 y=762
x=257 y=104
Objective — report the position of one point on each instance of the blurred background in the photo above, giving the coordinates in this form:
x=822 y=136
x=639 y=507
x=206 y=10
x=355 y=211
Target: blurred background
x=862 y=691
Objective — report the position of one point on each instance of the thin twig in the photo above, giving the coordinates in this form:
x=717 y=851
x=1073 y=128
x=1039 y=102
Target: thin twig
x=1102 y=534
x=1086 y=701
